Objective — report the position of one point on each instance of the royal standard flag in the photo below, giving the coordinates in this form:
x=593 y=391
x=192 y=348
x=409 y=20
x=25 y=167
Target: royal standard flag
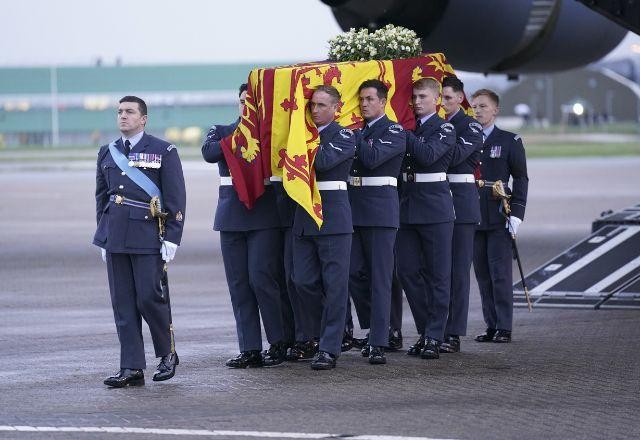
x=276 y=136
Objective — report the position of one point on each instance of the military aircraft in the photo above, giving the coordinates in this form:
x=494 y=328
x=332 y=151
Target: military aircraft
x=500 y=36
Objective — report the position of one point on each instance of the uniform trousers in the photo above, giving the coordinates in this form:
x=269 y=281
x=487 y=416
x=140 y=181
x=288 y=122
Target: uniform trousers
x=424 y=268
x=462 y=250
x=371 y=278
x=321 y=275
x=287 y=289
x=396 y=300
x=253 y=267
x=134 y=283
x=492 y=262
x=306 y=317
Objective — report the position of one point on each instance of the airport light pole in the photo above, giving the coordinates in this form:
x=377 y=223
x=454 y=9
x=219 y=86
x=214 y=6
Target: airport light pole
x=55 y=123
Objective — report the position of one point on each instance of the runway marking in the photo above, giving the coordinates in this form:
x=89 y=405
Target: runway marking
x=203 y=432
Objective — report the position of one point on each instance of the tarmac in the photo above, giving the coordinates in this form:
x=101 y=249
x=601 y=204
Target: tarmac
x=567 y=373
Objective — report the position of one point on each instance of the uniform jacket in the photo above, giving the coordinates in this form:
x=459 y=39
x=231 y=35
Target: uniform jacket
x=465 y=158
x=503 y=156
x=429 y=150
x=231 y=213
x=127 y=229
x=332 y=163
x=379 y=152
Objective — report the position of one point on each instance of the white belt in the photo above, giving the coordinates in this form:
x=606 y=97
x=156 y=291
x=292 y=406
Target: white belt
x=461 y=178
x=227 y=180
x=425 y=177
x=332 y=185
x=275 y=178
x=373 y=181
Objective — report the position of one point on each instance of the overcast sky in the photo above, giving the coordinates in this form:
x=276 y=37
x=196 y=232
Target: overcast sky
x=77 y=32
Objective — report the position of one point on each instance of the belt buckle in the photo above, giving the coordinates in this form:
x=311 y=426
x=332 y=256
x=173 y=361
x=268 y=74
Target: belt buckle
x=118 y=200
x=356 y=181
x=410 y=177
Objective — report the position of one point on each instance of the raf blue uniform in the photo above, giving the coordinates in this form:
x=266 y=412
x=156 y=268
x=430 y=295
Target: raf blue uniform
x=321 y=256
x=503 y=156
x=129 y=234
x=464 y=161
x=248 y=239
x=301 y=321
x=426 y=225
x=375 y=208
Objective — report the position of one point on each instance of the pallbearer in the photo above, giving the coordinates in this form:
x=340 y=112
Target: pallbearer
x=321 y=256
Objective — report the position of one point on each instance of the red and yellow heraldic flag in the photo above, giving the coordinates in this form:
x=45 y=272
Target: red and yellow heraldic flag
x=276 y=136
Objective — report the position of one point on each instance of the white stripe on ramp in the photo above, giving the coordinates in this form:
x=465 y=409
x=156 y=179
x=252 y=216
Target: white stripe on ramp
x=615 y=276
x=588 y=258
x=203 y=432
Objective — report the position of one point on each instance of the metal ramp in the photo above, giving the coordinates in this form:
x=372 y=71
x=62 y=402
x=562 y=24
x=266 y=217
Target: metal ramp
x=603 y=270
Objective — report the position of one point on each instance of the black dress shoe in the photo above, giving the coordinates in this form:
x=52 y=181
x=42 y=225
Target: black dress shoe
x=323 y=361
x=376 y=355
x=251 y=359
x=347 y=341
x=451 y=344
x=302 y=351
x=361 y=342
x=124 y=377
x=274 y=355
x=416 y=349
x=167 y=367
x=431 y=349
x=487 y=336
x=395 y=339
x=502 y=336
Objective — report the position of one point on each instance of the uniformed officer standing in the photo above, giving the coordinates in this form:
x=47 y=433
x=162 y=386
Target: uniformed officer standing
x=426 y=220
x=374 y=204
x=503 y=157
x=466 y=155
x=252 y=268
x=130 y=172
x=321 y=256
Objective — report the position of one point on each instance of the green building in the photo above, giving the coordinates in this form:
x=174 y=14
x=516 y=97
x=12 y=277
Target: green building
x=76 y=105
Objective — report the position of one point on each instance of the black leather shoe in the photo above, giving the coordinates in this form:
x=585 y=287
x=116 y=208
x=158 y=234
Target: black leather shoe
x=251 y=359
x=347 y=340
x=125 y=377
x=431 y=349
x=502 y=336
x=274 y=355
x=361 y=342
x=376 y=355
x=323 y=361
x=365 y=351
x=395 y=339
x=167 y=367
x=451 y=344
x=302 y=351
x=487 y=336
x=416 y=349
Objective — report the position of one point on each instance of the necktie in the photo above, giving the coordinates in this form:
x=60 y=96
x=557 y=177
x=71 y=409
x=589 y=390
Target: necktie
x=365 y=130
x=418 y=123
x=127 y=147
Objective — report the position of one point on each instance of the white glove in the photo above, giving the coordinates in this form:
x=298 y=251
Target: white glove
x=168 y=250
x=512 y=225
x=104 y=254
